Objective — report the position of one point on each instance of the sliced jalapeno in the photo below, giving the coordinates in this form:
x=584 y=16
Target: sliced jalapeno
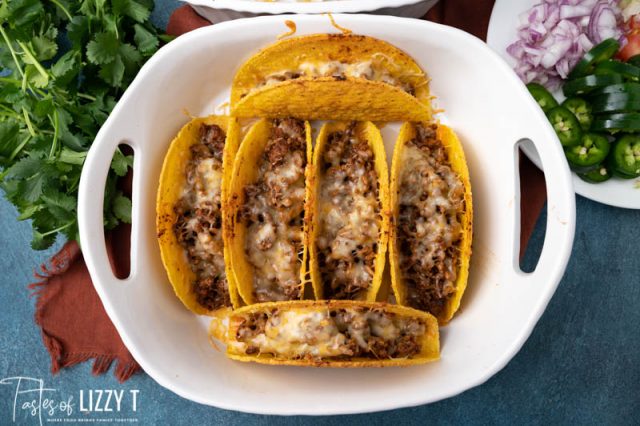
x=616 y=67
x=586 y=84
x=617 y=88
x=591 y=151
x=599 y=53
x=612 y=102
x=634 y=60
x=566 y=126
x=599 y=174
x=625 y=158
x=542 y=96
x=618 y=122
x=581 y=109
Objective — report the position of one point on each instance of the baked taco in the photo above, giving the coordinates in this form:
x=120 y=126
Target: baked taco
x=332 y=76
x=350 y=217
x=430 y=243
x=194 y=187
x=268 y=195
x=336 y=333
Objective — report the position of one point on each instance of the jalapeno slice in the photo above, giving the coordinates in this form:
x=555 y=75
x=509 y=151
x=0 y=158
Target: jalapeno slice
x=618 y=122
x=566 y=126
x=590 y=152
x=616 y=67
x=589 y=83
x=599 y=174
x=542 y=96
x=625 y=158
x=581 y=109
x=634 y=60
x=612 y=102
x=617 y=88
x=599 y=53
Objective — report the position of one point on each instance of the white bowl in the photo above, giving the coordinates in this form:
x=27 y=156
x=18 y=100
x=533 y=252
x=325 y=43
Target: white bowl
x=225 y=10
x=488 y=107
x=502 y=32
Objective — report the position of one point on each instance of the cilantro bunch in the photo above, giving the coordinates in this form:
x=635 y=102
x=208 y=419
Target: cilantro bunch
x=63 y=65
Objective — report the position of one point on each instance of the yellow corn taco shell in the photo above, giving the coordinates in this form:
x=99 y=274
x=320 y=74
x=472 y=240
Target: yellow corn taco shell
x=287 y=344
x=369 y=132
x=458 y=164
x=246 y=172
x=172 y=182
x=332 y=76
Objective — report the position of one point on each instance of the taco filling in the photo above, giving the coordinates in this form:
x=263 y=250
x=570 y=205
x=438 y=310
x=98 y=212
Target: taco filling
x=198 y=226
x=349 y=214
x=273 y=213
x=371 y=69
x=329 y=333
x=431 y=204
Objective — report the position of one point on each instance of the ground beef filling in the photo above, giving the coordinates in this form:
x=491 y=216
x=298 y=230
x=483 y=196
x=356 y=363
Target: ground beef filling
x=349 y=214
x=431 y=205
x=330 y=334
x=274 y=213
x=369 y=70
x=198 y=227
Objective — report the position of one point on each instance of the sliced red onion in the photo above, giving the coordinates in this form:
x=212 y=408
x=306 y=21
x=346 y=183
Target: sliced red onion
x=603 y=23
x=554 y=35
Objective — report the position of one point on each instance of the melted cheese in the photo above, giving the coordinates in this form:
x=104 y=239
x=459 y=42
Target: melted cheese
x=312 y=333
x=371 y=69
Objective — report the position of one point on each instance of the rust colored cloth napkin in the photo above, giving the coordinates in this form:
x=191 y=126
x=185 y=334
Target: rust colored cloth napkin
x=75 y=326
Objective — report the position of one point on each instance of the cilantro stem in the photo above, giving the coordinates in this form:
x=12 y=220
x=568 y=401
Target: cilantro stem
x=33 y=59
x=17 y=150
x=66 y=12
x=13 y=52
x=10 y=113
x=10 y=80
x=54 y=144
x=28 y=121
x=53 y=231
x=85 y=96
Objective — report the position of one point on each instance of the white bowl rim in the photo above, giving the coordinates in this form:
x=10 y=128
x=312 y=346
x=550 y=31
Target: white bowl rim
x=330 y=6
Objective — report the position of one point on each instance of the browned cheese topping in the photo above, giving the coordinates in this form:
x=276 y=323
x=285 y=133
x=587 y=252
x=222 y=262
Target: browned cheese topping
x=348 y=216
x=331 y=333
x=431 y=203
x=274 y=212
x=199 y=222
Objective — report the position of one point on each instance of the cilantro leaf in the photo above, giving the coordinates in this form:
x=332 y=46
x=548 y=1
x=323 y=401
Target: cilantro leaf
x=122 y=208
x=31 y=189
x=40 y=241
x=113 y=72
x=78 y=30
x=36 y=78
x=8 y=136
x=23 y=169
x=132 y=9
x=55 y=93
x=130 y=56
x=103 y=49
x=23 y=12
x=147 y=42
x=44 y=48
x=121 y=163
x=66 y=67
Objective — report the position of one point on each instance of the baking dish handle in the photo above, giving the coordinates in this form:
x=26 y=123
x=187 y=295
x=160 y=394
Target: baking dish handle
x=91 y=203
x=558 y=240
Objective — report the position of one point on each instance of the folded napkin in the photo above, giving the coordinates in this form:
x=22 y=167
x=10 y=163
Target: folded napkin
x=75 y=326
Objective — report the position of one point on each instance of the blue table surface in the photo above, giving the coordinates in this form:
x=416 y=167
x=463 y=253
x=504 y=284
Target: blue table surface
x=581 y=364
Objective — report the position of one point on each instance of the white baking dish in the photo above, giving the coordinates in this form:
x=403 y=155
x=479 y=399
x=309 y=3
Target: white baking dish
x=491 y=111
x=224 y=10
